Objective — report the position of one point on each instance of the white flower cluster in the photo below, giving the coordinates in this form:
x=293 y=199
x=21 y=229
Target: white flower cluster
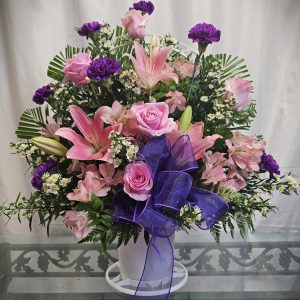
x=130 y=80
x=54 y=182
x=120 y=148
x=23 y=149
x=105 y=36
x=223 y=110
x=190 y=215
x=168 y=40
x=287 y=184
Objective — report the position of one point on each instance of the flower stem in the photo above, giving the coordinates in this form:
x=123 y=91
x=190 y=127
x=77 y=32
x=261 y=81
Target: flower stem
x=197 y=60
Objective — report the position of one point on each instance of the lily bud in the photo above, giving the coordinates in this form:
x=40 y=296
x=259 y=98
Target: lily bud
x=154 y=43
x=186 y=119
x=49 y=146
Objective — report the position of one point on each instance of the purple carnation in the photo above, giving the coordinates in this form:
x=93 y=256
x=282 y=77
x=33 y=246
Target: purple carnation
x=144 y=6
x=42 y=94
x=36 y=181
x=88 y=28
x=204 y=33
x=269 y=164
x=102 y=68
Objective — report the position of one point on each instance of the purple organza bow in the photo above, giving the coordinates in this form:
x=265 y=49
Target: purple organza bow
x=172 y=189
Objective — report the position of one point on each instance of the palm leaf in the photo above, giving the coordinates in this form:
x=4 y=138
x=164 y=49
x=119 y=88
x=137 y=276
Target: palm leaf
x=31 y=122
x=56 y=66
x=122 y=46
x=232 y=66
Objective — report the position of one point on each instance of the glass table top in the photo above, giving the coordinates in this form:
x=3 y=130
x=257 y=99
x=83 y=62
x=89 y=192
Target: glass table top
x=260 y=267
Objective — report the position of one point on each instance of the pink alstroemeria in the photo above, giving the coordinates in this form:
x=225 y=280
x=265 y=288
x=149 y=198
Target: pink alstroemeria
x=234 y=181
x=200 y=144
x=175 y=100
x=195 y=133
x=51 y=127
x=184 y=68
x=152 y=69
x=78 y=222
x=92 y=184
x=112 y=115
x=213 y=174
x=245 y=152
x=94 y=143
x=110 y=175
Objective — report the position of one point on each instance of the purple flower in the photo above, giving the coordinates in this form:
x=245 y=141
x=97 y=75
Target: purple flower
x=269 y=164
x=144 y=6
x=36 y=181
x=204 y=33
x=41 y=94
x=102 y=68
x=88 y=28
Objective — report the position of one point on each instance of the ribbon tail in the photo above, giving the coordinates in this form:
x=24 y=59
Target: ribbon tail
x=159 y=260
x=213 y=206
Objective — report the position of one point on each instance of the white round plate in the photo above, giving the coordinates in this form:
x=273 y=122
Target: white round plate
x=128 y=286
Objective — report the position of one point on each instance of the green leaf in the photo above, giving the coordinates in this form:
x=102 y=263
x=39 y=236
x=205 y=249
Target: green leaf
x=97 y=202
x=31 y=122
x=232 y=66
x=56 y=66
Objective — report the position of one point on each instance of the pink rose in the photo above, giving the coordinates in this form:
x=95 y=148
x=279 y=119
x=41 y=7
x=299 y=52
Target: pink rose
x=76 y=68
x=138 y=181
x=78 y=223
x=239 y=89
x=134 y=22
x=175 y=100
x=184 y=68
x=152 y=118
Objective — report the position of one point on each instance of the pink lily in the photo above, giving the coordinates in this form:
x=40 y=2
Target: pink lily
x=152 y=69
x=94 y=143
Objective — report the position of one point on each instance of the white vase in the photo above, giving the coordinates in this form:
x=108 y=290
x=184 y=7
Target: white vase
x=132 y=258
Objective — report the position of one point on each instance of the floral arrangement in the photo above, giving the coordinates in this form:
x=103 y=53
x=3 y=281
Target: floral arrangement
x=136 y=133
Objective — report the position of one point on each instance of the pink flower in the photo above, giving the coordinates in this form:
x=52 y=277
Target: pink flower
x=76 y=68
x=134 y=22
x=152 y=118
x=51 y=127
x=152 y=69
x=184 y=68
x=214 y=171
x=234 y=181
x=92 y=184
x=73 y=167
x=110 y=175
x=175 y=100
x=213 y=174
x=195 y=133
x=94 y=143
x=244 y=152
x=138 y=181
x=112 y=115
x=239 y=89
x=78 y=223
x=216 y=158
